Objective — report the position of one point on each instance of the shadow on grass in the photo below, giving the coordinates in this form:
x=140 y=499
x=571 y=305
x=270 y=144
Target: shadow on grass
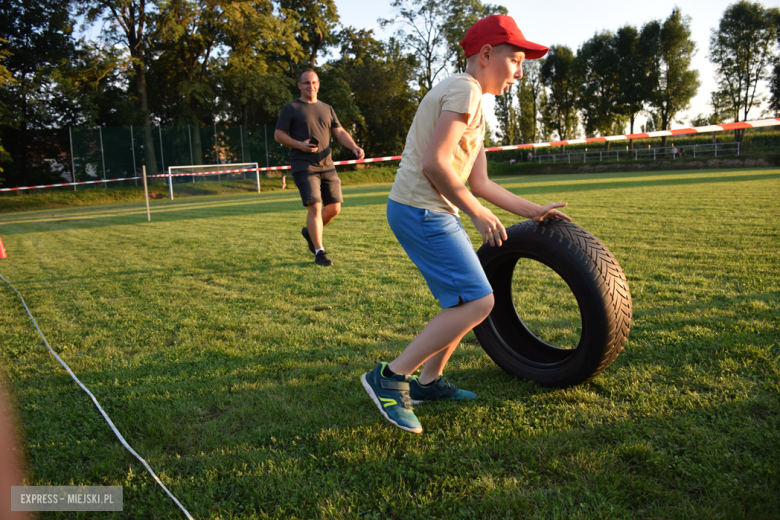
x=239 y=429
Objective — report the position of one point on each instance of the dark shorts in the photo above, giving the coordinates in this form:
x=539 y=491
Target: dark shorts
x=318 y=187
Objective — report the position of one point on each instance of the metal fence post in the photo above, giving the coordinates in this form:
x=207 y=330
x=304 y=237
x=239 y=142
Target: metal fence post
x=72 y=160
x=162 y=157
x=103 y=158
x=132 y=151
x=265 y=131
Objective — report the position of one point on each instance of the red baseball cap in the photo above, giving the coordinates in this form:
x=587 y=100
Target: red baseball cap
x=495 y=30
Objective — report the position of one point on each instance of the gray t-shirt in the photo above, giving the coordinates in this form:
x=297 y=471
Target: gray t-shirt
x=302 y=121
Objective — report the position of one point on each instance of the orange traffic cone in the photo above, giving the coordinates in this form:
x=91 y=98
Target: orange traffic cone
x=3 y=254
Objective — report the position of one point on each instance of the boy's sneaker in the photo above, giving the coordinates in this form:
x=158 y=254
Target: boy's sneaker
x=439 y=390
x=305 y=233
x=391 y=395
x=322 y=259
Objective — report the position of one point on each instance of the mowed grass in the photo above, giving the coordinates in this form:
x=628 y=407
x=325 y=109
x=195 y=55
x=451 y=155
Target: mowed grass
x=231 y=363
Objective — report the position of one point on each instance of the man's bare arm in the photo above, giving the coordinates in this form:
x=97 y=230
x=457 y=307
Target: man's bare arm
x=346 y=141
x=283 y=138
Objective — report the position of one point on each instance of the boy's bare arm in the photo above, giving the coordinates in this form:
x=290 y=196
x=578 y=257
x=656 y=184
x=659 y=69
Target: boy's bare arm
x=482 y=186
x=437 y=167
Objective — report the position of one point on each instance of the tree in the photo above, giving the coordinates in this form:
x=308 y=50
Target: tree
x=528 y=97
x=5 y=79
x=186 y=34
x=379 y=77
x=423 y=32
x=37 y=39
x=317 y=21
x=599 y=98
x=672 y=51
x=249 y=83
x=507 y=116
x=741 y=50
x=636 y=77
x=558 y=75
x=128 y=23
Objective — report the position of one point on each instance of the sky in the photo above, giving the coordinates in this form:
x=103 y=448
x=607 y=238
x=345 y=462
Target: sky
x=572 y=22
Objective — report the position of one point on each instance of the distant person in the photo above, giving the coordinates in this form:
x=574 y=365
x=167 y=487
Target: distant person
x=530 y=156
x=682 y=152
x=512 y=160
x=674 y=151
x=305 y=126
x=444 y=150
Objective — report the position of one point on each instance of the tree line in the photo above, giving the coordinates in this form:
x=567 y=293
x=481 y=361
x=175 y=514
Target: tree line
x=614 y=76
x=200 y=62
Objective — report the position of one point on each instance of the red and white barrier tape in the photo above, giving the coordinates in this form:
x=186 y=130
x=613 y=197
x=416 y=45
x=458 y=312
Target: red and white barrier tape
x=645 y=135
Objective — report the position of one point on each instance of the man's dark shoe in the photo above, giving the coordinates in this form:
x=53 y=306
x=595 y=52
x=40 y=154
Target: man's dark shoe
x=391 y=396
x=322 y=259
x=305 y=233
x=439 y=390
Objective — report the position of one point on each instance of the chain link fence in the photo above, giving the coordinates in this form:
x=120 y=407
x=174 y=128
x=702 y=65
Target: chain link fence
x=119 y=152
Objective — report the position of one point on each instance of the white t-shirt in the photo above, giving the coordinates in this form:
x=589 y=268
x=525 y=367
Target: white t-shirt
x=459 y=93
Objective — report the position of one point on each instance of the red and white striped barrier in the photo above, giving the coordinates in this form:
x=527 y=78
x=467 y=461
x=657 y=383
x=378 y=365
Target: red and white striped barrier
x=645 y=135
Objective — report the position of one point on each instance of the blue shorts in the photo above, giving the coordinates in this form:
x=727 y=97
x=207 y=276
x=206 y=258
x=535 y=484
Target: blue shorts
x=440 y=248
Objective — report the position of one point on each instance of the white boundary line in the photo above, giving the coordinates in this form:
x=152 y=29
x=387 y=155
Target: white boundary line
x=100 y=408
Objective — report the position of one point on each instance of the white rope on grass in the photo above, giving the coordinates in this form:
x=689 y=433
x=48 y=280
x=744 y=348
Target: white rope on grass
x=100 y=408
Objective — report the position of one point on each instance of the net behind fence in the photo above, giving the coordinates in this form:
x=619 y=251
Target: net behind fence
x=119 y=152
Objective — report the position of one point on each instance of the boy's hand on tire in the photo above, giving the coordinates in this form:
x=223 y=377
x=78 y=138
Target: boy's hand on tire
x=488 y=225
x=550 y=212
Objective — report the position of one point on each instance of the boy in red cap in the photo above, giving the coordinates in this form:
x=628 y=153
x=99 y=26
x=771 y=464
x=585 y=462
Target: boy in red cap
x=444 y=150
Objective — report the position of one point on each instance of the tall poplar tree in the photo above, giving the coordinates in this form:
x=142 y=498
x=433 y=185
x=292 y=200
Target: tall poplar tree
x=529 y=100
x=676 y=82
x=558 y=75
x=741 y=48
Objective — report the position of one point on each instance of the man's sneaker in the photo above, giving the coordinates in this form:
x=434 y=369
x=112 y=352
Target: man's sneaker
x=322 y=258
x=391 y=395
x=439 y=390
x=305 y=233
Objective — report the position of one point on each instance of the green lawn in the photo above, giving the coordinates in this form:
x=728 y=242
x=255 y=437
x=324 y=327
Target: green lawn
x=231 y=363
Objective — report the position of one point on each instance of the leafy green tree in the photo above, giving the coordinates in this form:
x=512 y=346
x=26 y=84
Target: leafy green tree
x=528 y=97
x=423 y=33
x=186 y=34
x=253 y=88
x=741 y=50
x=636 y=77
x=508 y=118
x=559 y=76
x=129 y=24
x=379 y=77
x=5 y=79
x=676 y=83
x=599 y=98
x=37 y=38
x=317 y=21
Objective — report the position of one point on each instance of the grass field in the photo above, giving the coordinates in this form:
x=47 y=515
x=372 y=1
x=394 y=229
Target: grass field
x=231 y=363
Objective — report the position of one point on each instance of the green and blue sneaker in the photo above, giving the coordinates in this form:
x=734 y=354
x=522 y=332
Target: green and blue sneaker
x=391 y=395
x=439 y=390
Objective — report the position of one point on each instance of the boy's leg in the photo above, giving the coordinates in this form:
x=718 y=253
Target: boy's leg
x=438 y=340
